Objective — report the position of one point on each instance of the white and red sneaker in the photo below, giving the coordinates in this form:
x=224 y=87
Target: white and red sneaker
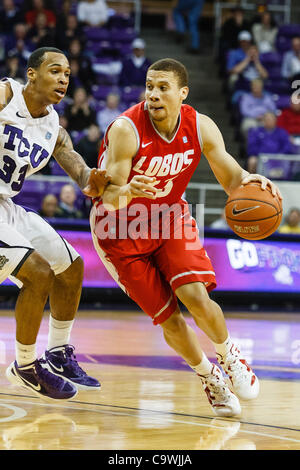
x=220 y=397
x=244 y=381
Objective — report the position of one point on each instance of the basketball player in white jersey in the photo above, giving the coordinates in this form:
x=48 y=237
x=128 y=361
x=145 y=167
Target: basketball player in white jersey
x=32 y=254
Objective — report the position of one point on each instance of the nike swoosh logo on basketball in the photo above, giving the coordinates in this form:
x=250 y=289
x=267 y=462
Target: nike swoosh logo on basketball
x=17 y=113
x=236 y=211
x=146 y=145
x=59 y=369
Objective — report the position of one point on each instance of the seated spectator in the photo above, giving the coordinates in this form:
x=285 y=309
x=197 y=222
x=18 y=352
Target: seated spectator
x=49 y=206
x=79 y=114
x=85 y=72
x=134 y=68
x=66 y=205
x=220 y=223
x=243 y=64
x=110 y=112
x=267 y=139
x=292 y=222
x=92 y=12
x=291 y=61
x=40 y=34
x=264 y=33
x=10 y=15
x=289 y=119
x=231 y=29
x=67 y=32
x=254 y=105
x=13 y=69
x=38 y=7
x=19 y=44
x=89 y=146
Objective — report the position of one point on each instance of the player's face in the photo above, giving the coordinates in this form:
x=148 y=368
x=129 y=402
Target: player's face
x=51 y=79
x=163 y=95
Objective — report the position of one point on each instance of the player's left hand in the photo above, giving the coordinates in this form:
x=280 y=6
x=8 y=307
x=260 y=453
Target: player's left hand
x=98 y=180
x=264 y=183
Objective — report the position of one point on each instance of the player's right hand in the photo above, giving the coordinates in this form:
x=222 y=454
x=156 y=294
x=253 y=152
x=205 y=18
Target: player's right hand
x=143 y=186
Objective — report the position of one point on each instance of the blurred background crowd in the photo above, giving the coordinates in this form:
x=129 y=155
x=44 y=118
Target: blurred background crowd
x=256 y=56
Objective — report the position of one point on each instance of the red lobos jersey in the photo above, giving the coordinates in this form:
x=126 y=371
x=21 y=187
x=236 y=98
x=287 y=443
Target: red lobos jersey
x=171 y=162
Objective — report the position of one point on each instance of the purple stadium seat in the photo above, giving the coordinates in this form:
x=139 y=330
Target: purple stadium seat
x=123 y=35
x=282 y=101
x=56 y=169
x=289 y=30
x=131 y=94
x=278 y=86
x=97 y=34
x=270 y=59
x=283 y=44
x=277 y=169
x=100 y=92
x=120 y=21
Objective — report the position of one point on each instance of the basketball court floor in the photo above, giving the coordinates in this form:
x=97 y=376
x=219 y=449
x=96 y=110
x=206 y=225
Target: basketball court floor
x=149 y=398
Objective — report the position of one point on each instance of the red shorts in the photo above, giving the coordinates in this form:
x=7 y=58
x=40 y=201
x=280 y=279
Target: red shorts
x=150 y=270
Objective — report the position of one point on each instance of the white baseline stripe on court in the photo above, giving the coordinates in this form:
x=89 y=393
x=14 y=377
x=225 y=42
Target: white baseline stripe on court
x=171 y=420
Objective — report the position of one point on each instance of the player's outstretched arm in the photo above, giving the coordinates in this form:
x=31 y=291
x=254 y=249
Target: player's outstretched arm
x=122 y=147
x=91 y=181
x=225 y=168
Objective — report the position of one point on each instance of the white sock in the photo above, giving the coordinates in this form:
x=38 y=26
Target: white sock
x=59 y=332
x=204 y=368
x=25 y=353
x=223 y=348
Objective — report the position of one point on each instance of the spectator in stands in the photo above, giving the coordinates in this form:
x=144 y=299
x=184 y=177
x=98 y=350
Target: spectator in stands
x=40 y=34
x=66 y=206
x=231 y=29
x=268 y=139
x=85 y=73
x=292 y=222
x=188 y=11
x=89 y=146
x=291 y=61
x=254 y=105
x=110 y=112
x=135 y=67
x=49 y=206
x=76 y=78
x=243 y=64
x=19 y=44
x=289 y=119
x=10 y=15
x=92 y=12
x=38 y=7
x=79 y=114
x=68 y=30
x=220 y=223
x=14 y=69
x=264 y=33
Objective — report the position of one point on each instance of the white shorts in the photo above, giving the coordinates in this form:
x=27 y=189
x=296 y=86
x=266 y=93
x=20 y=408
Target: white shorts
x=21 y=232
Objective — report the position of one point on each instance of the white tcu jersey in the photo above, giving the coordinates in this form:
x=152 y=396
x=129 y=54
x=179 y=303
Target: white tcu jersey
x=26 y=143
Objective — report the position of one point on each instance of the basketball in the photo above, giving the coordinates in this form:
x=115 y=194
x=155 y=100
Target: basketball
x=253 y=213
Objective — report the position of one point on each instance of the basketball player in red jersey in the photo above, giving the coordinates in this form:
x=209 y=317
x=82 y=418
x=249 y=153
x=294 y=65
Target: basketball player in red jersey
x=151 y=152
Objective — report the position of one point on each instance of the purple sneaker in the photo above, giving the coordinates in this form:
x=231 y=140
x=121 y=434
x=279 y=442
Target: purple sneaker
x=62 y=362
x=37 y=378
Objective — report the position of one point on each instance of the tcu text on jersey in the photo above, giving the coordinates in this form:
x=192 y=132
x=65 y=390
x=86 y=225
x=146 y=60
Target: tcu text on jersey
x=15 y=140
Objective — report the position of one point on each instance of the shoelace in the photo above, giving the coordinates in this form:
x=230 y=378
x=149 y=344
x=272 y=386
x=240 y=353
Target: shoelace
x=217 y=387
x=238 y=368
x=49 y=378
x=71 y=357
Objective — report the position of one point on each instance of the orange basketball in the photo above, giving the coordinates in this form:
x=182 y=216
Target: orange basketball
x=253 y=213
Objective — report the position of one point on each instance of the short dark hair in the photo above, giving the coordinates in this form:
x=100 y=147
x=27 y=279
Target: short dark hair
x=172 y=65
x=37 y=56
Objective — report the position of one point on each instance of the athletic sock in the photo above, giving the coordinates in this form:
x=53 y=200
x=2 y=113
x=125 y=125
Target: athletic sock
x=223 y=348
x=204 y=368
x=25 y=353
x=59 y=332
